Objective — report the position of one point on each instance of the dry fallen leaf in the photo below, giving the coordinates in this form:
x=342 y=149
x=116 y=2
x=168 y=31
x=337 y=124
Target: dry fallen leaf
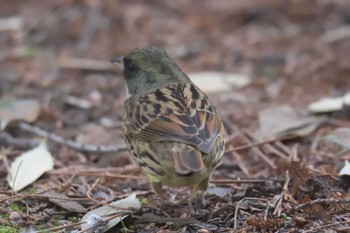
x=219 y=81
x=63 y=201
x=340 y=136
x=18 y=109
x=115 y=207
x=218 y=191
x=283 y=120
x=29 y=166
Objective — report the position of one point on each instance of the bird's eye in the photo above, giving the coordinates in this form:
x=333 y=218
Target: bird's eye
x=130 y=67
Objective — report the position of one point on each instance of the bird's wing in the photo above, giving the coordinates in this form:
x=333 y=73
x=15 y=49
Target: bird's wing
x=180 y=113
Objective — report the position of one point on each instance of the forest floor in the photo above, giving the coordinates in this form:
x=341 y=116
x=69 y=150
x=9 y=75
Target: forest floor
x=55 y=74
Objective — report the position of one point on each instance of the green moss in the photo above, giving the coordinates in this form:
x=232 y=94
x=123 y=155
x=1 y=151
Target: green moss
x=4 y=215
x=28 y=191
x=56 y=219
x=144 y=200
x=7 y=229
x=267 y=71
x=15 y=207
x=73 y=219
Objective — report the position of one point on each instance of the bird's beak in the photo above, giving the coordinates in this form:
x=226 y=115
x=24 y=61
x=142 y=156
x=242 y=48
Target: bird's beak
x=118 y=60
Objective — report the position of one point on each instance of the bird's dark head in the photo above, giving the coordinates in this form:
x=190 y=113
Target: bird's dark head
x=149 y=68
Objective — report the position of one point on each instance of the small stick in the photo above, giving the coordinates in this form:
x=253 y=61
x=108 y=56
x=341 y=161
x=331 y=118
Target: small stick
x=227 y=181
x=240 y=202
x=240 y=163
x=279 y=205
x=316 y=229
x=88 y=148
x=20 y=143
x=261 y=154
x=245 y=147
x=322 y=201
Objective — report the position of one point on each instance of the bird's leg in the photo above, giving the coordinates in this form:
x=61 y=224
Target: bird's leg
x=158 y=189
x=193 y=195
x=203 y=186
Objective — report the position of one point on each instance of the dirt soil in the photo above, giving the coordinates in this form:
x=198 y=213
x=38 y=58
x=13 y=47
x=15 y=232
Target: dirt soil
x=58 y=52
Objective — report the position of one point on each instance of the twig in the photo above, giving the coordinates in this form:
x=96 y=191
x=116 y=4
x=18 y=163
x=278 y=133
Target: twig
x=88 y=148
x=231 y=138
x=273 y=150
x=80 y=169
x=89 y=189
x=3 y=157
x=226 y=181
x=316 y=229
x=282 y=147
x=156 y=219
x=98 y=173
x=245 y=147
x=125 y=176
x=240 y=202
x=269 y=147
x=279 y=206
x=321 y=201
x=240 y=162
x=56 y=229
x=41 y=197
x=106 y=219
x=261 y=154
x=20 y=143
x=293 y=156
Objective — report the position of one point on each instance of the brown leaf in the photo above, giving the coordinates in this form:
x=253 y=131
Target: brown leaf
x=64 y=202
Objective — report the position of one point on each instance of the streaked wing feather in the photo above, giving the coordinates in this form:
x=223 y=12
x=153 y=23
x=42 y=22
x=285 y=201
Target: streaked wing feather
x=180 y=116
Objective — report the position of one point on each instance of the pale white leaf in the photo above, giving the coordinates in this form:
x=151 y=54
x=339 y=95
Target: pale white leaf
x=346 y=98
x=78 y=102
x=115 y=207
x=29 y=166
x=218 y=81
x=345 y=170
x=330 y=104
x=326 y=105
x=13 y=23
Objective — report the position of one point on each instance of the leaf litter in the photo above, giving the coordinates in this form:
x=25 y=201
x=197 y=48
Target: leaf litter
x=292 y=57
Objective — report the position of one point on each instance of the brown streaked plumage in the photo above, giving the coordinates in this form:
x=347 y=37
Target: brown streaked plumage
x=172 y=130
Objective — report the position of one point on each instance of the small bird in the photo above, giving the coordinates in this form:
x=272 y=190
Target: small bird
x=171 y=128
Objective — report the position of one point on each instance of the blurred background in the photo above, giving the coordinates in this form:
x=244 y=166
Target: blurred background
x=253 y=55
x=296 y=51
x=296 y=45
x=303 y=43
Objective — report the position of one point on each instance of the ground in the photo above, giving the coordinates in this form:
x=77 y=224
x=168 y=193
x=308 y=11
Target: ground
x=57 y=53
